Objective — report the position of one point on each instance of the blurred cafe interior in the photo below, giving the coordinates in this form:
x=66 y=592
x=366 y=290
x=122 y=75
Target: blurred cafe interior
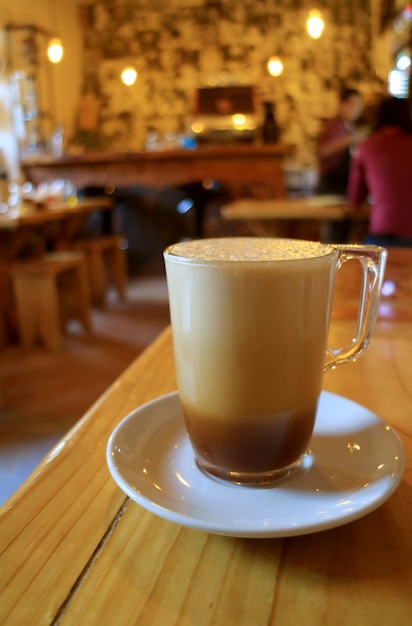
x=125 y=126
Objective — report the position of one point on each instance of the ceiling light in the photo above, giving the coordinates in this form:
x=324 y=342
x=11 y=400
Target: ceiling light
x=315 y=24
x=275 y=66
x=129 y=75
x=55 y=50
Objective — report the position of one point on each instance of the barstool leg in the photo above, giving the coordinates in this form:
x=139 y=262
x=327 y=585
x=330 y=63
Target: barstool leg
x=97 y=274
x=26 y=305
x=38 y=310
x=49 y=321
x=119 y=271
x=83 y=301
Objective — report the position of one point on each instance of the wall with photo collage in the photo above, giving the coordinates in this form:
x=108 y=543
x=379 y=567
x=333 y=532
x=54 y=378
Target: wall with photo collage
x=180 y=45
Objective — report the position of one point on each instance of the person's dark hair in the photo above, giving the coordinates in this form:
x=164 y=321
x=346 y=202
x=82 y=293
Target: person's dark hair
x=393 y=111
x=347 y=92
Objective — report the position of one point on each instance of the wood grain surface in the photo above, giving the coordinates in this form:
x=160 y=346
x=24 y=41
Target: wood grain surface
x=75 y=550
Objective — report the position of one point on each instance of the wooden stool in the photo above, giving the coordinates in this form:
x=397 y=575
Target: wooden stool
x=47 y=291
x=106 y=258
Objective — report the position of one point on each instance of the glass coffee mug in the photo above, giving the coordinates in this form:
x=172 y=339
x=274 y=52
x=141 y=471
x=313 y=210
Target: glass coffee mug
x=250 y=319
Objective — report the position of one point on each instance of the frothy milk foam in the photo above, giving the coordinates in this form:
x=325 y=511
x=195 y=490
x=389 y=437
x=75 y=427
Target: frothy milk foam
x=250 y=319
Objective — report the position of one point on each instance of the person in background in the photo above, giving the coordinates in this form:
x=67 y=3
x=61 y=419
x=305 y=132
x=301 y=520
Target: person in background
x=338 y=136
x=381 y=170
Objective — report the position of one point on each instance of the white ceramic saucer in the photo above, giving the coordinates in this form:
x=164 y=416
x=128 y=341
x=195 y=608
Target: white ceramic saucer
x=356 y=463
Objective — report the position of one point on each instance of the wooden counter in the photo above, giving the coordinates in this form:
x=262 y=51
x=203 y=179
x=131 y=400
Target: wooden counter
x=235 y=163
x=243 y=168
x=75 y=550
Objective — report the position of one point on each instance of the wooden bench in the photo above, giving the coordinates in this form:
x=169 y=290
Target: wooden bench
x=106 y=260
x=50 y=290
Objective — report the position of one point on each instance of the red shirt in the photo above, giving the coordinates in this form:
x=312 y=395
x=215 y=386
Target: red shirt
x=382 y=168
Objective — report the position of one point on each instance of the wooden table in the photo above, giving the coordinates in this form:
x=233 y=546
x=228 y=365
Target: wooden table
x=75 y=550
x=27 y=227
x=284 y=216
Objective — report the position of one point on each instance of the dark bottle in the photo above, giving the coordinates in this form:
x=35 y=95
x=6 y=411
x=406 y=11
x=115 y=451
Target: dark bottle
x=270 y=128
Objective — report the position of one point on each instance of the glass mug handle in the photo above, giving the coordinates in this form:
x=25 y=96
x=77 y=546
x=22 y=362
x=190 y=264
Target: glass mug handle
x=373 y=262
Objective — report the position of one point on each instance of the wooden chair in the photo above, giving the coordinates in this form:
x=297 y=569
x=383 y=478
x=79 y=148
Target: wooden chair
x=106 y=259
x=49 y=291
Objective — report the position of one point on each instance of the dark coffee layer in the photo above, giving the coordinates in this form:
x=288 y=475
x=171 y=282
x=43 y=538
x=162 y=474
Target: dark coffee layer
x=249 y=445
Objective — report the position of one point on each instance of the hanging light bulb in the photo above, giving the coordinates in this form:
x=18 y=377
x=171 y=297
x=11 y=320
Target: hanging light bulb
x=315 y=24
x=55 y=50
x=403 y=62
x=129 y=75
x=275 y=66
